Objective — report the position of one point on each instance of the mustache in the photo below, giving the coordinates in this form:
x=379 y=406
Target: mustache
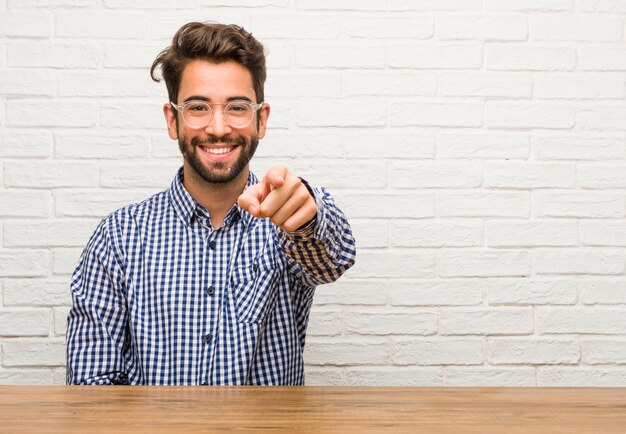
x=212 y=140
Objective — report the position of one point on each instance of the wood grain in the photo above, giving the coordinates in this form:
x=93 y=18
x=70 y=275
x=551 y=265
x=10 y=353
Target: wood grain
x=144 y=409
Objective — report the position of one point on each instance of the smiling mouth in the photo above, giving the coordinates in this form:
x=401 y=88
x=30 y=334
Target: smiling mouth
x=218 y=151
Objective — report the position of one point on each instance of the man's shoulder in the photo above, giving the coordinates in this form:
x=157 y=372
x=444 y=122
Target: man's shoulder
x=137 y=212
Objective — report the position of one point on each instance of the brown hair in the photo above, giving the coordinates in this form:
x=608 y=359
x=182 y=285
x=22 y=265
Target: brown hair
x=216 y=43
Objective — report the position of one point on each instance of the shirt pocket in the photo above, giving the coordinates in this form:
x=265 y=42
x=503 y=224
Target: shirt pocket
x=255 y=288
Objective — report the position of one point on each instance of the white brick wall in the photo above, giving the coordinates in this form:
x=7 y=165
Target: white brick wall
x=478 y=146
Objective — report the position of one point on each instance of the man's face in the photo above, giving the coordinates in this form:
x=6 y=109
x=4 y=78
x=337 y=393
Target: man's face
x=218 y=153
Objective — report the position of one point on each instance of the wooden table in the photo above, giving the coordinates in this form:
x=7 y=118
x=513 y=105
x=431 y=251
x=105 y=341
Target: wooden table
x=362 y=410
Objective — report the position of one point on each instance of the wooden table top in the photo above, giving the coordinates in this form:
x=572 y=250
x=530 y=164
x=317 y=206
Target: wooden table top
x=145 y=409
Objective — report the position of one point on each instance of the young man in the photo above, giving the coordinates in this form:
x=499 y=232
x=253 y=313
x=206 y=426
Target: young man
x=212 y=280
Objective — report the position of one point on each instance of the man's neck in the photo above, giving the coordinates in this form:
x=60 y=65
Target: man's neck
x=218 y=199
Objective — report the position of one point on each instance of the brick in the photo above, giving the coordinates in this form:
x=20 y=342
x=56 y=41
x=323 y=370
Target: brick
x=487 y=27
x=436 y=293
x=391 y=323
x=148 y=4
x=531 y=234
x=486 y=321
x=36 y=54
x=376 y=205
x=51 y=174
x=393 y=83
x=125 y=83
x=352 y=292
x=25 y=204
x=345 y=352
x=290 y=84
x=64 y=260
x=132 y=115
x=55 y=233
x=490 y=377
x=574 y=261
x=534 y=351
x=403 y=145
x=323 y=323
x=31 y=322
x=436 y=234
x=601 y=58
x=29 y=24
x=435 y=5
x=33 y=352
x=579 y=27
x=116 y=175
x=603 y=291
x=59 y=376
x=528 y=115
x=483 y=146
x=602 y=6
x=579 y=147
x=483 y=263
x=20 y=263
x=568 y=320
x=244 y=3
x=524 y=57
x=342 y=174
x=529 y=5
x=25 y=143
x=502 y=84
x=531 y=292
x=44 y=113
x=394 y=264
x=27 y=82
x=281 y=55
x=393 y=27
x=162 y=146
x=339 y=56
x=89 y=203
x=579 y=205
x=440 y=351
x=131 y=54
x=436 y=56
x=345 y=5
x=581 y=377
x=108 y=24
x=579 y=86
x=436 y=114
x=394 y=376
x=165 y=23
x=371 y=234
x=25 y=377
x=339 y=113
x=602 y=118
x=435 y=175
x=102 y=146
x=324 y=376
x=483 y=204
x=604 y=351
x=52 y=4
x=530 y=175
x=37 y=292
x=296 y=26
x=603 y=234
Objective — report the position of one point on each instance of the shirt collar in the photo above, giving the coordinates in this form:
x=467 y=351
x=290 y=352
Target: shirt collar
x=186 y=206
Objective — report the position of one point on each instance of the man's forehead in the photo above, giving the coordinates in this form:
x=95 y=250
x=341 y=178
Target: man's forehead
x=216 y=80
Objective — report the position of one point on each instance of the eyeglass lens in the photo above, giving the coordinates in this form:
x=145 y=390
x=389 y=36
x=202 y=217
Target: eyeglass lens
x=237 y=114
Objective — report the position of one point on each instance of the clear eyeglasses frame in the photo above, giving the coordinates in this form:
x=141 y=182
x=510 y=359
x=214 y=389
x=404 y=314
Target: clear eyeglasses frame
x=198 y=114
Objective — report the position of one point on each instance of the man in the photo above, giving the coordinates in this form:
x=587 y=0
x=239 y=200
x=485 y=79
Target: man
x=212 y=280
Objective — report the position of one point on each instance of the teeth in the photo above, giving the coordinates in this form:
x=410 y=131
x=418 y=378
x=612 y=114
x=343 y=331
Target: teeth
x=219 y=150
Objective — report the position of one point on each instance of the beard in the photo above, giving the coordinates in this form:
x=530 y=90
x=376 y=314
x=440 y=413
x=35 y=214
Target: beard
x=220 y=173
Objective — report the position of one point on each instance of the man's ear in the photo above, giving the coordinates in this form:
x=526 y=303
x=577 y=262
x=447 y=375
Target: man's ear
x=170 y=118
x=264 y=114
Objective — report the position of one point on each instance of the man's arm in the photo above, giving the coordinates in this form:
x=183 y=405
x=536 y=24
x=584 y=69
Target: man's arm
x=98 y=318
x=313 y=231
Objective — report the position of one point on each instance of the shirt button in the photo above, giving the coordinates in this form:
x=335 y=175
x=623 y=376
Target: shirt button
x=208 y=338
x=212 y=245
x=210 y=290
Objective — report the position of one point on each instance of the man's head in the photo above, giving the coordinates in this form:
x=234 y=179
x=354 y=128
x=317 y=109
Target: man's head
x=213 y=72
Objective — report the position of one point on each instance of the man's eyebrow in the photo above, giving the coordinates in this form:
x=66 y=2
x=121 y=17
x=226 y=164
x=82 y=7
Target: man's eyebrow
x=204 y=98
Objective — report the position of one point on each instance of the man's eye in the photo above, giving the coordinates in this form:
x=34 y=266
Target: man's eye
x=238 y=107
x=198 y=107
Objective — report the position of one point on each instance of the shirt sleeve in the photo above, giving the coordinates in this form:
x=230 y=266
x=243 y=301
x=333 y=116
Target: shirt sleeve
x=97 y=321
x=321 y=251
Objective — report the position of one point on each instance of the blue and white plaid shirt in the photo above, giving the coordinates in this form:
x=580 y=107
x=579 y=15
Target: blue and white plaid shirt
x=159 y=297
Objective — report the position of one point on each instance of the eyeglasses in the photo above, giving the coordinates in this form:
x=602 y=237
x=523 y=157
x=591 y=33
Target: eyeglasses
x=198 y=114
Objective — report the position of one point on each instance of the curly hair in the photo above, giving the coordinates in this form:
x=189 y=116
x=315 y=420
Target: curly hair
x=216 y=43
